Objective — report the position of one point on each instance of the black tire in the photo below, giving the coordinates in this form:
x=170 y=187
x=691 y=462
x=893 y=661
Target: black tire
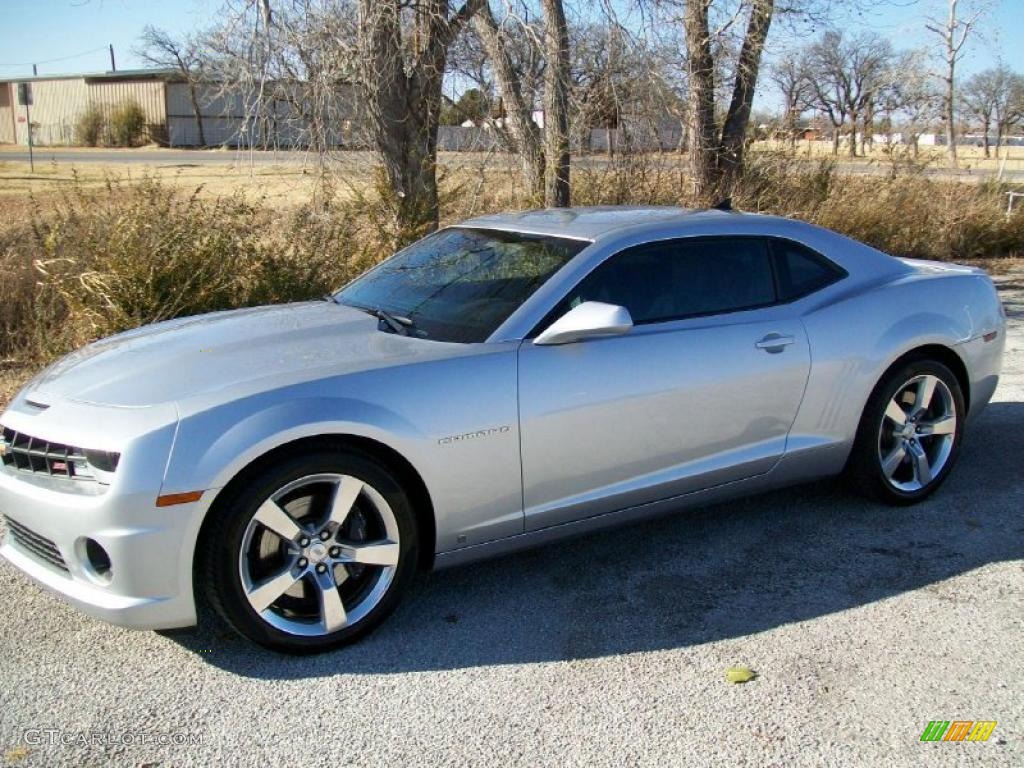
x=864 y=469
x=221 y=548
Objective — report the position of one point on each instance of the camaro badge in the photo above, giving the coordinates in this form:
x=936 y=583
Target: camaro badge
x=473 y=435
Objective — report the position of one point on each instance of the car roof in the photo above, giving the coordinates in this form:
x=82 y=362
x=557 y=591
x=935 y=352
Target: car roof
x=591 y=222
x=611 y=228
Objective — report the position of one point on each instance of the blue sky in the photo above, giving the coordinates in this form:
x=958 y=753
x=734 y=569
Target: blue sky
x=43 y=30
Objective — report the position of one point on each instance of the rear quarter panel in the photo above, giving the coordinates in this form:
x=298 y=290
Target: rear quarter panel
x=854 y=336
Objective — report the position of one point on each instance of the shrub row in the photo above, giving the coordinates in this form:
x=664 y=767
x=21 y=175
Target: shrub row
x=98 y=261
x=95 y=261
x=124 y=125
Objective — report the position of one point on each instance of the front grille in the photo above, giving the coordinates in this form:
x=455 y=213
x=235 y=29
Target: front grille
x=25 y=453
x=40 y=546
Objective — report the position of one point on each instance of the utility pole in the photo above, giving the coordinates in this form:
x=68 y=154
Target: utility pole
x=113 y=66
x=35 y=71
x=25 y=98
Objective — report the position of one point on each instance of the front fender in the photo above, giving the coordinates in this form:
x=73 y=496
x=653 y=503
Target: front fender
x=455 y=421
x=239 y=433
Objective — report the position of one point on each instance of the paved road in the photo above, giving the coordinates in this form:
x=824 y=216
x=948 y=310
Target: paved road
x=215 y=157
x=864 y=622
x=168 y=157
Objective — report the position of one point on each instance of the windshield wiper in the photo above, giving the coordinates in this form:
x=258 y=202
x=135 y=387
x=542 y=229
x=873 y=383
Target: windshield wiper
x=397 y=323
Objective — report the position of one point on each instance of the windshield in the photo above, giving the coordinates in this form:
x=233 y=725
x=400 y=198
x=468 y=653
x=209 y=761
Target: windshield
x=459 y=284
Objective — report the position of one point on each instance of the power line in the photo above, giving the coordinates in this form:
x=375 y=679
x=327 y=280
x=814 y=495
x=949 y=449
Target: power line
x=62 y=58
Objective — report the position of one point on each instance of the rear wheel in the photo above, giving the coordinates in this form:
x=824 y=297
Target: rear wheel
x=313 y=554
x=909 y=435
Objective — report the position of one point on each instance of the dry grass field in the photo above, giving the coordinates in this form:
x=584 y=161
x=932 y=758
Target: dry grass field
x=126 y=237
x=969 y=157
x=278 y=184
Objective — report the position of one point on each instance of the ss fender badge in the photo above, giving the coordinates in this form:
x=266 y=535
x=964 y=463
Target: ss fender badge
x=473 y=435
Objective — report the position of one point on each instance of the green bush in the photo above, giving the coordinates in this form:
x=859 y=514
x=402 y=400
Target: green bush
x=91 y=127
x=127 y=124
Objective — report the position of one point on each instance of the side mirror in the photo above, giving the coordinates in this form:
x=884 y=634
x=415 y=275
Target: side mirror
x=587 y=320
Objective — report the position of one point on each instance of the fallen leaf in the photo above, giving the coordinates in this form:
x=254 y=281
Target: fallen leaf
x=16 y=754
x=740 y=674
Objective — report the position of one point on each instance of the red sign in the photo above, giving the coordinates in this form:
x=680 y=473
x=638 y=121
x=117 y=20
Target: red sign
x=21 y=119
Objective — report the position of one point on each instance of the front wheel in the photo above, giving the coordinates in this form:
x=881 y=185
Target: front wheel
x=910 y=433
x=313 y=553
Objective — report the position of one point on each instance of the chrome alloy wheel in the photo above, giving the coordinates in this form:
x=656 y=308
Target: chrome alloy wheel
x=319 y=554
x=916 y=436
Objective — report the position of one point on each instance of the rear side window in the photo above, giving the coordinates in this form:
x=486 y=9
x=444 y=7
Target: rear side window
x=682 y=278
x=802 y=271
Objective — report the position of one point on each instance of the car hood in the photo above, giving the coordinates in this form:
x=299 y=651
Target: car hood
x=178 y=359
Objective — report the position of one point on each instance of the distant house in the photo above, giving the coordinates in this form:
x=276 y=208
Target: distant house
x=228 y=117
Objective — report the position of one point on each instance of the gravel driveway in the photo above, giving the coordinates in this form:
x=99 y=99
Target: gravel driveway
x=863 y=622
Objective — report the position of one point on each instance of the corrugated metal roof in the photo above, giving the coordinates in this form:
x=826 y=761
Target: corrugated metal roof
x=121 y=74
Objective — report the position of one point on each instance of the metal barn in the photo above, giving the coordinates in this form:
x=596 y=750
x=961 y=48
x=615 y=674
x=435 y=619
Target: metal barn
x=228 y=114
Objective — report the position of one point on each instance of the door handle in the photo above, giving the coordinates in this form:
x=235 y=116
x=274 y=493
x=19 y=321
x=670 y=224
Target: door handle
x=774 y=342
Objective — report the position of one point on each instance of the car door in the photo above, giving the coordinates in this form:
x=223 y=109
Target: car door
x=702 y=390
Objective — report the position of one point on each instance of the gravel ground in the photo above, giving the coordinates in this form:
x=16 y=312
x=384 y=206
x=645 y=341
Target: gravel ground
x=863 y=622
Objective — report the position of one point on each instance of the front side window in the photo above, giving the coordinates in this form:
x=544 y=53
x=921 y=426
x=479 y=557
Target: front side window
x=460 y=284
x=682 y=278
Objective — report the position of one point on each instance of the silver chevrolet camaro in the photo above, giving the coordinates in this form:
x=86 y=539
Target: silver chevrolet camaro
x=502 y=383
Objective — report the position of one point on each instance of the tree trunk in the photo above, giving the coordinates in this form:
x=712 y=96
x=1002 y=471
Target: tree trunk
x=867 y=139
x=194 y=98
x=403 y=102
x=835 y=140
x=737 y=119
x=703 y=145
x=556 y=105
x=984 y=139
x=852 y=147
x=525 y=133
x=950 y=105
x=950 y=115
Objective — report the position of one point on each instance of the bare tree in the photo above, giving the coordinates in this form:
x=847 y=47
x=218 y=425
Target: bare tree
x=981 y=93
x=790 y=77
x=1009 y=106
x=953 y=32
x=545 y=153
x=290 y=71
x=403 y=49
x=159 y=48
x=716 y=157
x=524 y=134
x=827 y=89
x=911 y=98
x=847 y=74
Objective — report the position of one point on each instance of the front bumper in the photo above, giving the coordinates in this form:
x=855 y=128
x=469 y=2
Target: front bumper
x=149 y=584
x=150 y=548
